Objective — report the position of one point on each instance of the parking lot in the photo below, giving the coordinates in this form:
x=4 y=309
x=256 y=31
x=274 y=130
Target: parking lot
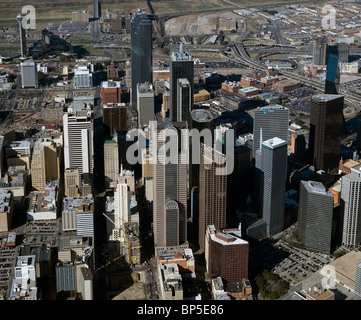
x=41 y=232
x=299 y=263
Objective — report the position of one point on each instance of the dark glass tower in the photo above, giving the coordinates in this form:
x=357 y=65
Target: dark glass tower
x=141 y=52
x=326 y=120
x=181 y=66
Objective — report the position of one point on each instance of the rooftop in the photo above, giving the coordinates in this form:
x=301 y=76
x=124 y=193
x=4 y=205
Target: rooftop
x=274 y=143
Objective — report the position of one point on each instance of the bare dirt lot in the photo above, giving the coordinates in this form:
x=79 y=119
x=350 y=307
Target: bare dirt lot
x=197 y=24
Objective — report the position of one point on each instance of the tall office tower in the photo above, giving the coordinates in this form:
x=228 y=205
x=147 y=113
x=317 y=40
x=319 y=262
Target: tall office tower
x=111 y=92
x=121 y=209
x=332 y=82
x=78 y=145
x=350 y=195
x=273 y=120
x=96 y=5
x=212 y=192
x=111 y=161
x=115 y=118
x=29 y=74
x=71 y=183
x=326 y=120
x=45 y=163
x=19 y=19
x=320 y=50
x=298 y=146
x=226 y=255
x=181 y=66
x=145 y=103
x=170 y=190
x=184 y=100
x=358 y=282
x=271 y=160
x=315 y=216
x=141 y=52
x=343 y=50
x=200 y=119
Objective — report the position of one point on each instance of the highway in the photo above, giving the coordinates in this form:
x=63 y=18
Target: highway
x=237 y=53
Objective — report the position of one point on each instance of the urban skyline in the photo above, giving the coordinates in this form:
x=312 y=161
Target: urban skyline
x=180 y=152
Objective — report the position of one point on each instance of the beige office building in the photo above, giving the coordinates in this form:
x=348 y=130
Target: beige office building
x=45 y=163
x=111 y=161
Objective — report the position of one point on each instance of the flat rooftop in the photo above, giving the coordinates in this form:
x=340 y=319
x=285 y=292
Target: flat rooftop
x=345 y=268
x=274 y=143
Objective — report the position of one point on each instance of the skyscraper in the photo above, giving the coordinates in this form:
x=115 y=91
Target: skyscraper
x=315 y=216
x=271 y=160
x=332 y=75
x=45 y=163
x=326 y=120
x=115 y=118
x=145 y=103
x=181 y=66
x=351 y=196
x=273 y=120
x=111 y=161
x=226 y=255
x=170 y=190
x=19 y=19
x=184 y=100
x=29 y=74
x=141 y=52
x=343 y=50
x=320 y=51
x=78 y=144
x=212 y=192
x=96 y=5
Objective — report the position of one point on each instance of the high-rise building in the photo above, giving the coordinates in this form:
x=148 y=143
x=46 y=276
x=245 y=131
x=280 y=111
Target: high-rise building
x=181 y=66
x=145 y=103
x=83 y=77
x=121 y=209
x=111 y=161
x=45 y=163
x=358 y=282
x=115 y=118
x=320 y=50
x=227 y=254
x=350 y=195
x=315 y=216
x=273 y=120
x=333 y=74
x=184 y=100
x=78 y=145
x=170 y=190
x=298 y=146
x=200 y=119
x=96 y=5
x=271 y=160
x=111 y=92
x=29 y=74
x=71 y=183
x=326 y=121
x=22 y=34
x=141 y=52
x=343 y=50
x=212 y=192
